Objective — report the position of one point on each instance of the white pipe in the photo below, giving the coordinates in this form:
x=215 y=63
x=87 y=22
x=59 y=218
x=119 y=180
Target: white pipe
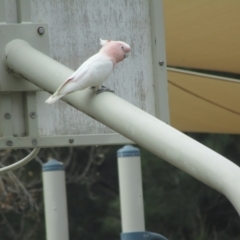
x=130 y=185
x=130 y=121
x=21 y=162
x=55 y=202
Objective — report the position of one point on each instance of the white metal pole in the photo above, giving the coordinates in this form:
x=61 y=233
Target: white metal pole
x=55 y=202
x=2 y=12
x=131 y=194
x=130 y=121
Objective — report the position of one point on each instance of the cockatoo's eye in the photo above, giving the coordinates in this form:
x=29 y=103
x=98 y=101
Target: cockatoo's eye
x=122 y=47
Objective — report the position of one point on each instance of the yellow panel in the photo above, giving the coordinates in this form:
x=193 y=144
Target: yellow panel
x=204 y=104
x=203 y=34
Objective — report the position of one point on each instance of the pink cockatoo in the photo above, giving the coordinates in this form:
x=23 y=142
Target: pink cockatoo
x=94 y=71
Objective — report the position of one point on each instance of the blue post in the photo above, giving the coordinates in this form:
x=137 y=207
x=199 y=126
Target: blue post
x=142 y=236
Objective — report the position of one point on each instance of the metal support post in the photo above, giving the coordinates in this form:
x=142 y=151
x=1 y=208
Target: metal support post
x=6 y=118
x=55 y=201
x=131 y=196
x=24 y=11
x=2 y=12
x=159 y=61
x=31 y=117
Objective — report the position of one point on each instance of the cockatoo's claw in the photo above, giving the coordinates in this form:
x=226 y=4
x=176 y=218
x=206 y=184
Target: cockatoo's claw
x=104 y=89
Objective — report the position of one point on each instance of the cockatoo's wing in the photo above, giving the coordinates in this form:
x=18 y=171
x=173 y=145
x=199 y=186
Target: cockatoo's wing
x=91 y=73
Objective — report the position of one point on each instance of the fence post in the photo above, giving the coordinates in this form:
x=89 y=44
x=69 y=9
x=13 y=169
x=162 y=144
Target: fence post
x=55 y=201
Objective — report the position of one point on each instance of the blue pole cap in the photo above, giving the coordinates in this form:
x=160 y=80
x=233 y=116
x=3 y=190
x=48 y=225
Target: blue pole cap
x=128 y=151
x=53 y=165
x=142 y=236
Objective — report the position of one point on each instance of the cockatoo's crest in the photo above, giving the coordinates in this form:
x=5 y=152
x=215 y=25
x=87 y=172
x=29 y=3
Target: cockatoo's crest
x=103 y=42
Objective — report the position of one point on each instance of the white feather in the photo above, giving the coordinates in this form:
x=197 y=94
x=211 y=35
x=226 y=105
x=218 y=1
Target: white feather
x=103 y=42
x=92 y=73
x=53 y=98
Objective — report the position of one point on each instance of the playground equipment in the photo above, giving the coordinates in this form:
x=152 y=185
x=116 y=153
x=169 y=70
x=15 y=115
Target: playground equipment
x=131 y=196
x=54 y=190
x=133 y=123
x=27 y=70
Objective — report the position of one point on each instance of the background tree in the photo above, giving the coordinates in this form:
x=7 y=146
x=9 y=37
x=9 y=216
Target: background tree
x=176 y=205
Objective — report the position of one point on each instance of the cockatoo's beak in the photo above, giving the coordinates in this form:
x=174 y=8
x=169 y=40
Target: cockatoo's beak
x=125 y=55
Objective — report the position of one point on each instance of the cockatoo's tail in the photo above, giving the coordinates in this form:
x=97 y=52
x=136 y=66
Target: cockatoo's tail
x=94 y=71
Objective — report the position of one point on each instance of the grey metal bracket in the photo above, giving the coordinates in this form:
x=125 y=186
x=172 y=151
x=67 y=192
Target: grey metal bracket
x=10 y=85
x=8 y=138
x=37 y=36
x=63 y=141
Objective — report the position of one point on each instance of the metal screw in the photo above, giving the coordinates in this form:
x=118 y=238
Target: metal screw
x=32 y=115
x=7 y=115
x=34 y=142
x=41 y=30
x=9 y=143
x=161 y=63
x=71 y=140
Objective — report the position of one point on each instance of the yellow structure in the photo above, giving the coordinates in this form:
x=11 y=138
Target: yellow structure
x=203 y=35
